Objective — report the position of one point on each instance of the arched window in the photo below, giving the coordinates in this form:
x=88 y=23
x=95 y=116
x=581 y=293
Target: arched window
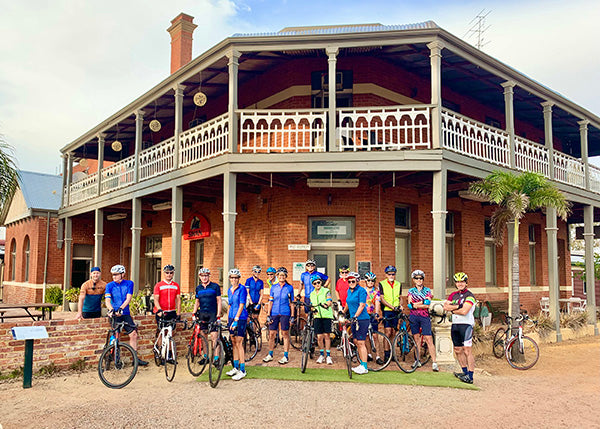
x=13 y=259
x=26 y=248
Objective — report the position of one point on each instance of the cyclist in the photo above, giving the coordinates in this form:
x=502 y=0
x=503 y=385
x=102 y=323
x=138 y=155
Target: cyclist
x=355 y=304
x=461 y=303
x=390 y=290
x=374 y=310
x=311 y=269
x=118 y=295
x=419 y=298
x=207 y=307
x=278 y=314
x=167 y=296
x=320 y=297
x=254 y=285
x=341 y=286
x=90 y=296
x=237 y=320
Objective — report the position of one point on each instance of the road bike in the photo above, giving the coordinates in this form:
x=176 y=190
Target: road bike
x=198 y=350
x=253 y=337
x=309 y=337
x=165 y=349
x=297 y=324
x=346 y=345
x=377 y=343
x=118 y=362
x=405 y=352
x=521 y=352
x=221 y=352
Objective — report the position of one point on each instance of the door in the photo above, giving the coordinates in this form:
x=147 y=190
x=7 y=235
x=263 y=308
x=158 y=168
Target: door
x=81 y=271
x=329 y=262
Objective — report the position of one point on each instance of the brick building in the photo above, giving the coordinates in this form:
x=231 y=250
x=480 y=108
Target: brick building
x=352 y=144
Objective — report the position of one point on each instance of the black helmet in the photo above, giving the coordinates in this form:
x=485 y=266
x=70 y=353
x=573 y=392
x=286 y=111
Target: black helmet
x=168 y=268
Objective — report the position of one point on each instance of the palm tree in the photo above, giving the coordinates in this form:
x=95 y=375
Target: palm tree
x=516 y=194
x=8 y=173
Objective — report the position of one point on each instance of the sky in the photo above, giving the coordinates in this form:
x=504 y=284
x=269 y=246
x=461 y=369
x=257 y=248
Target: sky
x=66 y=65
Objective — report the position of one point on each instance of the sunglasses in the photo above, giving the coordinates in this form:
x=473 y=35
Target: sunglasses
x=233 y=277
x=344 y=272
x=169 y=272
x=351 y=281
x=370 y=281
x=390 y=274
x=317 y=281
x=418 y=278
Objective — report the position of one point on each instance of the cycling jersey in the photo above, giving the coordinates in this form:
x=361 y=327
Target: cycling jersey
x=281 y=297
x=341 y=287
x=308 y=286
x=236 y=298
x=415 y=295
x=357 y=296
x=254 y=288
x=391 y=293
x=167 y=294
x=463 y=297
x=267 y=287
x=323 y=296
x=207 y=297
x=117 y=293
x=372 y=299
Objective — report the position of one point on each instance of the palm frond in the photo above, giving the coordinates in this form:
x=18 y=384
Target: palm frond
x=499 y=220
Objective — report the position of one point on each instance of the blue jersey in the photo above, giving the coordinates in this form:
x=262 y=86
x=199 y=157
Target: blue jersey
x=357 y=296
x=235 y=299
x=305 y=279
x=255 y=288
x=117 y=293
x=281 y=297
x=207 y=297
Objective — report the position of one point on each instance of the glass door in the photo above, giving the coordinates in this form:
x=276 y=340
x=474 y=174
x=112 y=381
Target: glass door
x=329 y=262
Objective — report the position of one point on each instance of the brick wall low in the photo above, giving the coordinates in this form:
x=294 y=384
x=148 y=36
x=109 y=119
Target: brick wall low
x=72 y=340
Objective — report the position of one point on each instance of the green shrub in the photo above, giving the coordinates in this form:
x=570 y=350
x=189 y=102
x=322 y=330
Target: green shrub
x=575 y=320
x=72 y=295
x=54 y=295
x=49 y=369
x=187 y=302
x=79 y=365
x=138 y=303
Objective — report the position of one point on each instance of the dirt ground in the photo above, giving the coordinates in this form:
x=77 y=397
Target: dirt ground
x=562 y=390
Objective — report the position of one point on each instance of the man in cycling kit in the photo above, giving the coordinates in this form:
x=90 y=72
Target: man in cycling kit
x=320 y=297
x=254 y=287
x=419 y=298
x=278 y=314
x=118 y=295
x=207 y=307
x=390 y=291
x=461 y=303
x=311 y=269
x=341 y=286
x=167 y=296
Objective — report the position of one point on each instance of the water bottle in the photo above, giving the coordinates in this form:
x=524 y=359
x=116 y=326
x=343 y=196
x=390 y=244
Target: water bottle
x=112 y=339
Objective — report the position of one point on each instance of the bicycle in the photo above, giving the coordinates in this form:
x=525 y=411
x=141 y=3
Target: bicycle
x=198 y=350
x=405 y=352
x=253 y=336
x=521 y=352
x=118 y=362
x=165 y=351
x=309 y=338
x=221 y=352
x=297 y=324
x=372 y=342
x=346 y=345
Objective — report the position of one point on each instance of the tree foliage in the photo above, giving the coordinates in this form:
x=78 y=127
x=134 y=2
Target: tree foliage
x=8 y=173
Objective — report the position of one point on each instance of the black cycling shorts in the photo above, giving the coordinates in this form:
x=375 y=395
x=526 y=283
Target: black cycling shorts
x=462 y=335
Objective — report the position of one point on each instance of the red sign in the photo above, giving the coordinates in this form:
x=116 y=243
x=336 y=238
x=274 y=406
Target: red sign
x=196 y=227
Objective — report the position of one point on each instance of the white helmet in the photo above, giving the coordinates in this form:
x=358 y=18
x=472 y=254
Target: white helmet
x=234 y=272
x=204 y=271
x=417 y=273
x=118 y=269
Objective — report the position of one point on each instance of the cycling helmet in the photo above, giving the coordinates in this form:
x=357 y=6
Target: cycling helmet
x=417 y=273
x=315 y=277
x=168 y=268
x=234 y=272
x=353 y=275
x=370 y=276
x=204 y=271
x=118 y=269
x=390 y=269
x=344 y=268
x=282 y=270
x=256 y=269
x=311 y=262
x=461 y=277
x=271 y=270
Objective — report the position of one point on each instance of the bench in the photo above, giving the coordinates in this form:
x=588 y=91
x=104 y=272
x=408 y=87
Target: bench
x=498 y=309
x=11 y=315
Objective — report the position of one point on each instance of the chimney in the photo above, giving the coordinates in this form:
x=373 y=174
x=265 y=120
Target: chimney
x=181 y=30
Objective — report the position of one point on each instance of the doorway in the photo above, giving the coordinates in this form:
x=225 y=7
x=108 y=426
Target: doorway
x=329 y=262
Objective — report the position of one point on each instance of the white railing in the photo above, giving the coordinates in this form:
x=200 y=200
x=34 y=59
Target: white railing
x=266 y=131
x=158 y=159
x=475 y=139
x=204 y=141
x=530 y=156
x=594 y=175
x=569 y=170
x=118 y=175
x=84 y=189
x=384 y=128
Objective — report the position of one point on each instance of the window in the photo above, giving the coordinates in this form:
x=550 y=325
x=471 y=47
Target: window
x=153 y=246
x=199 y=256
x=490 y=255
x=402 y=217
x=13 y=259
x=26 y=248
x=402 y=244
x=532 y=267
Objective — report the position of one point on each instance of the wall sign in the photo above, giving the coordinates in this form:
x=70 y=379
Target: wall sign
x=196 y=227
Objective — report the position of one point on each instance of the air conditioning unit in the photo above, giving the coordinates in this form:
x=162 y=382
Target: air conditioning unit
x=339 y=81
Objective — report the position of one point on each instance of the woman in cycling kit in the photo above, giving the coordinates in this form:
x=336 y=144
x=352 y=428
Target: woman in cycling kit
x=320 y=297
x=237 y=319
x=356 y=304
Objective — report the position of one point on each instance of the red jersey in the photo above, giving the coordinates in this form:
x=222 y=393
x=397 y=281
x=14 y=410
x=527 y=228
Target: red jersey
x=167 y=292
x=341 y=287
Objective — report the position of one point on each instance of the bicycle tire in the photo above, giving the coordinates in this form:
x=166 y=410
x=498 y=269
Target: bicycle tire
x=255 y=324
x=306 y=340
x=498 y=344
x=296 y=333
x=530 y=353
x=250 y=344
x=424 y=355
x=157 y=357
x=117 y=371
x=375 y=350
x=197 y=355
x=348 y=356
x=215 y=366
x=405 y=352
x=171 y=360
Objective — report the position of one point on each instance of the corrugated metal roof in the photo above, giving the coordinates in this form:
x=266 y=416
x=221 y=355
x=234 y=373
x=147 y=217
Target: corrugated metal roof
x=342 y=29
x=41 y=191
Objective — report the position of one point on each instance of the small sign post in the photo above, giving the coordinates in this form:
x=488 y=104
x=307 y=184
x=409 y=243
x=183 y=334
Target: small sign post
x=28 y=333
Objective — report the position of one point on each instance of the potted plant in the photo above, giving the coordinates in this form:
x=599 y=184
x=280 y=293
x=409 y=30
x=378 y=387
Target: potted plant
x=72 y=295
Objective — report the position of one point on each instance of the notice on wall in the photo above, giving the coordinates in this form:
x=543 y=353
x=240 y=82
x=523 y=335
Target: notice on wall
x=298 y=269
x=363 y=267
x=29 y=332
x=331 y=229
x=299 y=246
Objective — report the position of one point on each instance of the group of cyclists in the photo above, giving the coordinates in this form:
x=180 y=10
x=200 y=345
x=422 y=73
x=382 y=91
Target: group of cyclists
x=372 y=304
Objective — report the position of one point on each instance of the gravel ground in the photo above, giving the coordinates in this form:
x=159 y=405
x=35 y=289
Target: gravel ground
x=562 y=390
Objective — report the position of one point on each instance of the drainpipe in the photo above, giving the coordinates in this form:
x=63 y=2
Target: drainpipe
x=46 y=257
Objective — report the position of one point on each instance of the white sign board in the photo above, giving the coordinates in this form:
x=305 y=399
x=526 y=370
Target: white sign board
x=331 y=229
x=298 y=246
x=298 y=269
x=29 y=332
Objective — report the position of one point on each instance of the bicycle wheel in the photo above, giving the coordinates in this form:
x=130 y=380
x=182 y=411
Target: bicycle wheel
x=157 y=357
x=498 y=343
x=117 y=365
x=296 y=333
x=197 y=355
x=405 y=352
x=424 y=355
x=347 y=355
x=256 y=328
x=306 y=345
x=216 y=363
x=379 y=343
x=522 y=355
x=171 y=360
x=250 y=344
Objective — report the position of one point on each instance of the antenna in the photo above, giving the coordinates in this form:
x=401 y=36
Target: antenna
x=478 y=27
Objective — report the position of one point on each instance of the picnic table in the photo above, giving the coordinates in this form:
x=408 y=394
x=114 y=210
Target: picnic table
x=23 y=310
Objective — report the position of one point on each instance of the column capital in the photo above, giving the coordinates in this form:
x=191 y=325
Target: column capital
x=547 y=105
x=332 y=51
x=178 y=88
x=139 y=114
x=436 y=47
x=101 y=137
x=583 y=124
x=233 y=55
x=508 y=86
